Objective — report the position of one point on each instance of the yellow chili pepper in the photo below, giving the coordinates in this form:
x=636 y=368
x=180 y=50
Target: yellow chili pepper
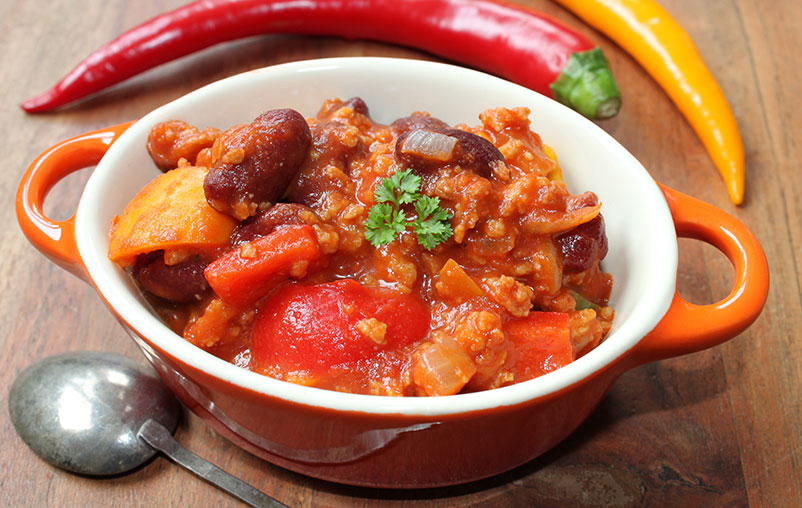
x=648 y=32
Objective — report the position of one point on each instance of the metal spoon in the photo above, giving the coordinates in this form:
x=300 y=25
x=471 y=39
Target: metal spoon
x=102 y=414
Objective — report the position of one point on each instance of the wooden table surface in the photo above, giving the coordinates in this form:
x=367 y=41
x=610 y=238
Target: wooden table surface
x=718 y=428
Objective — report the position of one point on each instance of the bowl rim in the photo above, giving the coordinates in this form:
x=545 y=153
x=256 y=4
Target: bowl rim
x=158 y=335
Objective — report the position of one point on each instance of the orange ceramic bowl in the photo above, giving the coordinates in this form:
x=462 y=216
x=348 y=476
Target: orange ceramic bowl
x=406 y=442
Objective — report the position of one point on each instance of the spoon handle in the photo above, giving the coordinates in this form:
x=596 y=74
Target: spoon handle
x=158 y=437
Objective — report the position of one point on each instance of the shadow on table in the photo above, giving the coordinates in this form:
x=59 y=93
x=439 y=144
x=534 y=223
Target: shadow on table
x=605 y=462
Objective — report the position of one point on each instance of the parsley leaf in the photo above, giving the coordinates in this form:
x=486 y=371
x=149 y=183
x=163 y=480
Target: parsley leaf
x=434 y=230
x=401 y=188
x=386 y=220
x=384 y=223
x=408 y=185
x=384 y=192
x=426 y=206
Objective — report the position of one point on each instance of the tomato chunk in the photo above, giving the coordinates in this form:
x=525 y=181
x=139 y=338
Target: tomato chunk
x=249 y=272
x=541 y=343
x=308 y=330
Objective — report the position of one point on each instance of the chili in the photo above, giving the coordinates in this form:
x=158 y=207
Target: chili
x=299 y=294
x=512 y=41
x=649 y=33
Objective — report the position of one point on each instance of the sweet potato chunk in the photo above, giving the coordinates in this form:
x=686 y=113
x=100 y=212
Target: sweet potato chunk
x=169 y=213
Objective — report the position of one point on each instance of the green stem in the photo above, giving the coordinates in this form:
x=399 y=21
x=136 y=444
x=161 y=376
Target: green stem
x=586 y=84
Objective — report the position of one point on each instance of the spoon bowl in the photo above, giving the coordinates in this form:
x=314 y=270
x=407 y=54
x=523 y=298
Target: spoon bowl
x=82 y=411
x=102 y=414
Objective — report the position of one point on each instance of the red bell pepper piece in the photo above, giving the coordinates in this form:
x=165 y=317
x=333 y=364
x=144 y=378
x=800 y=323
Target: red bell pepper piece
x=249 y=272
x=541 y=343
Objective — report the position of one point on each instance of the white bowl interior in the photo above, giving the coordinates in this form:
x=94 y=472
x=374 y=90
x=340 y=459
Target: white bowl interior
x=642 y=242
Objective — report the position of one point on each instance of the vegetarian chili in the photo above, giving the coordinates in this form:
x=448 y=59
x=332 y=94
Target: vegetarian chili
x=512 y=41
x=416 y=258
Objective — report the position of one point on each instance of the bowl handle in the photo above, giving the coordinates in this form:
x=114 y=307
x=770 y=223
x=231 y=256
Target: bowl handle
x=56 y=239
x=687 y=327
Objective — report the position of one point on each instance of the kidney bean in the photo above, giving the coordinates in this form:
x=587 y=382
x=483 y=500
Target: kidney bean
x=333 y=142
x=418 y=121
x=182 y=282
x=256 y=163
x=477 y=153
x=471 y=152
x=331 y=147
x=173 y=140
x=266 y=221
x=582 y=246
x=331 y=107
x=358 y=105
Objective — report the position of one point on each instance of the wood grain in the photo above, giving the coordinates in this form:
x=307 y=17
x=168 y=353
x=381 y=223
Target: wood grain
x=718 y=428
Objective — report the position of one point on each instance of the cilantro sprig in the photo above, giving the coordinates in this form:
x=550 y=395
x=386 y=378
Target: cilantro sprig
x=386 y=219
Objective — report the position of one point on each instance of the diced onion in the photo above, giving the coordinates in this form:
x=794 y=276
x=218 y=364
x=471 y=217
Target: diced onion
x=443 y=368
x=429 y=145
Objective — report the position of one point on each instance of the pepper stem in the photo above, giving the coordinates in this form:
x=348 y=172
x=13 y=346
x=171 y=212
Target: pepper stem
x=586 y=84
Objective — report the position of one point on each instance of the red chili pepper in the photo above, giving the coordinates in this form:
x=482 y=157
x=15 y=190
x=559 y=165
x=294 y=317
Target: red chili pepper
x=508 y=40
